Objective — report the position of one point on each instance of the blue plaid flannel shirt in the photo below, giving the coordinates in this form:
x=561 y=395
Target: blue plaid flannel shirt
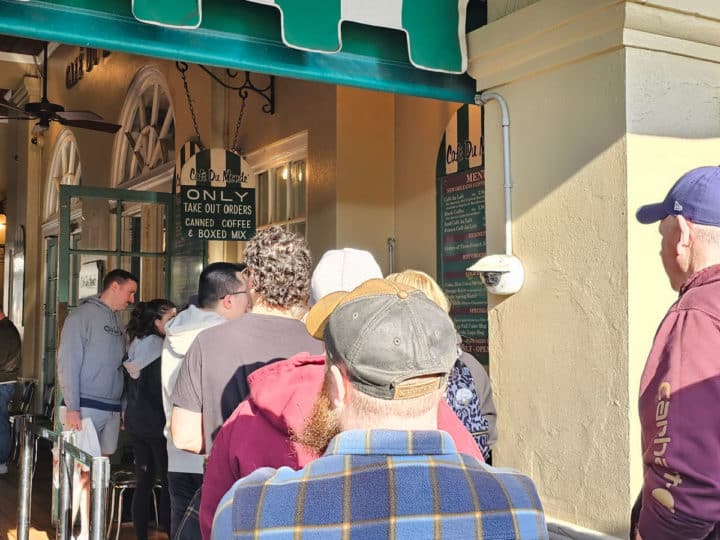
x=383 y=484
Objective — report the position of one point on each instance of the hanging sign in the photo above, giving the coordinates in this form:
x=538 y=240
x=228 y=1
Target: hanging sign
x=461 y=226
x=217 y=196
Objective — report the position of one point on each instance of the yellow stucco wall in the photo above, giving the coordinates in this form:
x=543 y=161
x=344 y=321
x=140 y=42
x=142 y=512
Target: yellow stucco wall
x=558 y=348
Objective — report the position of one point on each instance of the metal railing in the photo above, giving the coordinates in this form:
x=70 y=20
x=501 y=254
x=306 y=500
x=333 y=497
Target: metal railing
x=68 y=455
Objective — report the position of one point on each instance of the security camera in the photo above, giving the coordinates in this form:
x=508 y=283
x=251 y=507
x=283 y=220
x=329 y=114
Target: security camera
x=501 y=274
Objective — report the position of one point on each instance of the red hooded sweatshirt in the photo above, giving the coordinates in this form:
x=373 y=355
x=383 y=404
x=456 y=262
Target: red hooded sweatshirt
x=281 y=398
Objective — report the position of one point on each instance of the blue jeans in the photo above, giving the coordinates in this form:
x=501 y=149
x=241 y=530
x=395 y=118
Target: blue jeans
x=183 y=487
x=6 y=393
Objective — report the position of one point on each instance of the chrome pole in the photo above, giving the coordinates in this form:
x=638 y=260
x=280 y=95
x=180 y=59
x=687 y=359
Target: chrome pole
x=25 y=488
x=391 y=255
x=100 y=479
x=66 y=464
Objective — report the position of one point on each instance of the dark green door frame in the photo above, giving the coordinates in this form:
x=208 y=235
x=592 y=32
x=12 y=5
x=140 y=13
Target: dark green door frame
x=120 y=196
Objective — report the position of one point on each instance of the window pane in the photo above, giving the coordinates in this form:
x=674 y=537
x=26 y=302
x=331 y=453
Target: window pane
x=280 y=193
x=262 y=199
x=297 y=228
x=297 y=189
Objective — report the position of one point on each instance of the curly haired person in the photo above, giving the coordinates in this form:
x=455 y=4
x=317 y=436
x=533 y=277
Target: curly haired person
x=213 y=377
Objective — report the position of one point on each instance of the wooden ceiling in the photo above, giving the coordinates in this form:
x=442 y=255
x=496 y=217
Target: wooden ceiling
x=17 y=45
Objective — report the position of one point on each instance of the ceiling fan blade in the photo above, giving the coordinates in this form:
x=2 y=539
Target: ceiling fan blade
x=8 y=109
x=80 y=115
x=86 y=120
x=10 y=117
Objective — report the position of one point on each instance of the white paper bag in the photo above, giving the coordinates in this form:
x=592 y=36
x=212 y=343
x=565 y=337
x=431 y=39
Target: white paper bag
x=86 y=439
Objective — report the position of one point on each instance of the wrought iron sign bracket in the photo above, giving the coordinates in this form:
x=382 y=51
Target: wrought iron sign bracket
x=244 y=89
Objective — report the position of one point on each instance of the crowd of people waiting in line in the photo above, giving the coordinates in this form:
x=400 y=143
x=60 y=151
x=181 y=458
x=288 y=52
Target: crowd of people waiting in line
x=281 y=404
x=238 y=381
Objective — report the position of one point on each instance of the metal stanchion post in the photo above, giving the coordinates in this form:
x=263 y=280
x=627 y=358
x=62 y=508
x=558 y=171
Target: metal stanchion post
x=25 y=488
x=67 y=464
x=100 y=479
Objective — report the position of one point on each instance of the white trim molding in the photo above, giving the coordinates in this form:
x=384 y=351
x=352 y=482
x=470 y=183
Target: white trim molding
x=289 y=149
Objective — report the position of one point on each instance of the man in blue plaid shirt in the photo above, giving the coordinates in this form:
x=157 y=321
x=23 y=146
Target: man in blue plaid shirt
x=386 y=472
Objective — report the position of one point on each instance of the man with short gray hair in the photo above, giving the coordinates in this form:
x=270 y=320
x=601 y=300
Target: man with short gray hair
x=680 y=386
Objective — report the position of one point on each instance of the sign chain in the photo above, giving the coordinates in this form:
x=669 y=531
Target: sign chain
x=236 y=137
x=182 y=68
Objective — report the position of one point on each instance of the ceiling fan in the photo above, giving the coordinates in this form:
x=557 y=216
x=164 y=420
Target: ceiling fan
x=47 y=112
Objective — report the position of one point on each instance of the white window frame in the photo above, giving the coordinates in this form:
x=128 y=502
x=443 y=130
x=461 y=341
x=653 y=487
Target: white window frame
x=159 y=176
x=267 y=160
x=65 y=169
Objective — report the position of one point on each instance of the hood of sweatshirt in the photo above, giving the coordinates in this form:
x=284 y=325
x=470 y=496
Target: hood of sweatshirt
x=284 y=392
x=183 y=328
x=108 y=313
x=141 y=353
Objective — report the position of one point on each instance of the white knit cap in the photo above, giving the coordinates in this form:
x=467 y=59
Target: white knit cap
x=342 y=270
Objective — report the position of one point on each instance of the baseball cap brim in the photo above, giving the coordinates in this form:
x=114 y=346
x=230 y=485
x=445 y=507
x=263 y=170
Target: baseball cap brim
x=650 y=213
x=319 y=314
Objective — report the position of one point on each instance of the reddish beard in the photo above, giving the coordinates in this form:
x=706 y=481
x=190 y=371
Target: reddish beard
x=322 y=424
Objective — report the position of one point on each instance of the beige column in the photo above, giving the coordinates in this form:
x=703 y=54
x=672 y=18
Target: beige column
x=610 y=101
x=34 y=252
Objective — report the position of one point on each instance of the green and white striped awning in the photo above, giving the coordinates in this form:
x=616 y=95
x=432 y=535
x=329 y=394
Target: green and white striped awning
x=414 y=47
x=435 y=29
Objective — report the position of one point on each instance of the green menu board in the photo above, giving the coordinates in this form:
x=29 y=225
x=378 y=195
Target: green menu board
x=461 y=227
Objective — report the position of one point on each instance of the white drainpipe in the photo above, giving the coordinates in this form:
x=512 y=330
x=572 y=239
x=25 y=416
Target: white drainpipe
x=482 y=99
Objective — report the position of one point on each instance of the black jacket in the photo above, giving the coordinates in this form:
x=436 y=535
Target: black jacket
x=144 y=414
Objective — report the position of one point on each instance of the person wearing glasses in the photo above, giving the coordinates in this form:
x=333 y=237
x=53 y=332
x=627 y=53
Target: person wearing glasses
x=213 y=379
x=222 y=296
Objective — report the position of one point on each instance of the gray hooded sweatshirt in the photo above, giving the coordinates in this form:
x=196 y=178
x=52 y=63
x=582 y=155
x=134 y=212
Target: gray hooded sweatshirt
x=90 y=356
x=180 y=332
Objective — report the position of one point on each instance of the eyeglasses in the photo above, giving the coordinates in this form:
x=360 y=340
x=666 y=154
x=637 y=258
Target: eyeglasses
x=236 y=292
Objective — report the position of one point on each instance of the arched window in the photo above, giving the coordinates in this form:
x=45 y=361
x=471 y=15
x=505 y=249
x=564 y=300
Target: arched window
x=65 y=168
x=145 y=145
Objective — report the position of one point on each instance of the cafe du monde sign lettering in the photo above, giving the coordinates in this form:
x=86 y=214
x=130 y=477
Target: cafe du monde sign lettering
x=217 y=196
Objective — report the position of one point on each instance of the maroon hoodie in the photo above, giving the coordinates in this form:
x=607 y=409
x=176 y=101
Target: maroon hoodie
x=281 y=398
x=680 y=417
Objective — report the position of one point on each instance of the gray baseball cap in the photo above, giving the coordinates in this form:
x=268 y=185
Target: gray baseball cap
x=394 y=341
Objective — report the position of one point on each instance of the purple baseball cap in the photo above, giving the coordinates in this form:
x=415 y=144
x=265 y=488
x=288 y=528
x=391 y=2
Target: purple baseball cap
x=695 y=196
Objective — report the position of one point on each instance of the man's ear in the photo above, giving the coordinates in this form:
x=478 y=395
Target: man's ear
x=687 y=233
x=337 y=391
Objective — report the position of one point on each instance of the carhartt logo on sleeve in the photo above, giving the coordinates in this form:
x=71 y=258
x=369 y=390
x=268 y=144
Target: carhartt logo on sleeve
x=661 y=444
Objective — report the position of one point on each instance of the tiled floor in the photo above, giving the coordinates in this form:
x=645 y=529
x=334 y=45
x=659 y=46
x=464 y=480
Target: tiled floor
x=40 y=522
